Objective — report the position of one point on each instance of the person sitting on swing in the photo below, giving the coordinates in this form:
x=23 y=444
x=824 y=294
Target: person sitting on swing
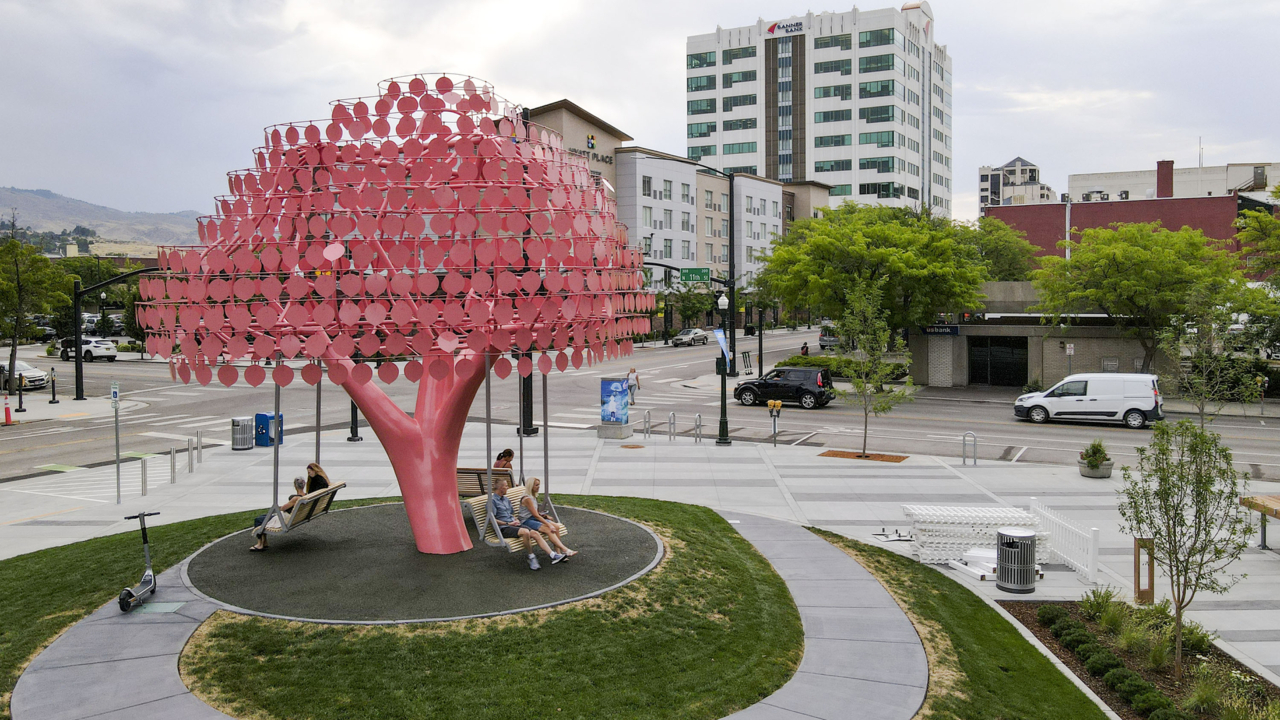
x=504 y=459
x=511 y=527
x=534 y=520
x=316 y=479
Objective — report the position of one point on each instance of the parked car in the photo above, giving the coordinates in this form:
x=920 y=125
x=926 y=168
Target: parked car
x=690 y=336
x=33 y=378
x=1131 y=398
x=90 y=348
x=827 y=338
x=45 y=333
x=810 y=387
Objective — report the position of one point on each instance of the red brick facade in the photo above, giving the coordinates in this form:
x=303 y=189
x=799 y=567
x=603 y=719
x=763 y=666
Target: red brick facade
x=1045 y=225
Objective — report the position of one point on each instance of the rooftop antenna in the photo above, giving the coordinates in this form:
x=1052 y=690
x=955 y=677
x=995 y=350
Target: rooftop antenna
x=1200 y=150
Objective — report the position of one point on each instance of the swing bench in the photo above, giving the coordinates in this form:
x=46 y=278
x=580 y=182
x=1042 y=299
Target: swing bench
x=305 y=509
x=487 y=529
x=471 y=480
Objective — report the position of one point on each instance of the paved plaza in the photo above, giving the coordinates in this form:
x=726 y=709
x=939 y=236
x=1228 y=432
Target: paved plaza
x=795 y=484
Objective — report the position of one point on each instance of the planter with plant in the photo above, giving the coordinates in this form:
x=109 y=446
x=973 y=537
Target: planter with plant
x=1094 y=461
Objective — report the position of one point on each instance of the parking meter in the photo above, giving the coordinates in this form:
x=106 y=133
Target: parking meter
x=775 y=412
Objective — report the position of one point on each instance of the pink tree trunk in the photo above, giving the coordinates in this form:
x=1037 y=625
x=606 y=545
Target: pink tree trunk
x=423 y=450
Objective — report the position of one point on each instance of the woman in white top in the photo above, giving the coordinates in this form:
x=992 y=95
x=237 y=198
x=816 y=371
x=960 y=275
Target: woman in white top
x=534 y=520
x=633 y=384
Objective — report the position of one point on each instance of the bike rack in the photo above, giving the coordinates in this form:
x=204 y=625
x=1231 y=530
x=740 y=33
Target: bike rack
x=648 y=424
x=964 y=448
x=671 y=426
x=697 y=427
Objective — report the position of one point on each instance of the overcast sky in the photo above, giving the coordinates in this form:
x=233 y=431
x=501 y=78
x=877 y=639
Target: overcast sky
x=146 y=105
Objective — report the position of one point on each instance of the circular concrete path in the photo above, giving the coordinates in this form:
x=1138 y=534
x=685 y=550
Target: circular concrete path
x=360 y=565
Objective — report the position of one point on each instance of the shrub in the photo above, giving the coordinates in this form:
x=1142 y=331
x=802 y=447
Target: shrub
x=1034 y=386
x=1114 y=617
x=1156 y=616
x=1047 y=615
x=1094 y=456
x=1064 y=626
x=1135 y=637
x=50 y=351
x=1195 y=638
x=1088 y=650
x=1114 y=678
x=1150 y=701
x=1096 y=601
x=840 y=366
x=1158 y=653
x=1133 y=687
x=1076 y=638
x=1102 y=663
x=1207 y=688
x=1168 y=714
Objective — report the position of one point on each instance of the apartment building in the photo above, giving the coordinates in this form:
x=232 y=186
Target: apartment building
x=1017 y=182
x=858 y=100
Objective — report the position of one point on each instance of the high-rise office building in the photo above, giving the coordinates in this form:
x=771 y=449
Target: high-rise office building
x=858 y=100
x=1016 y=182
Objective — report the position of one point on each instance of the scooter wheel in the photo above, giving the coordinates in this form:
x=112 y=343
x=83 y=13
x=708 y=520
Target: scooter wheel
x=126 y=601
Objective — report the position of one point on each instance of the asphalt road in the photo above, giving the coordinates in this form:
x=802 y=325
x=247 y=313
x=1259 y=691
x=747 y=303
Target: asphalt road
x=169 y=413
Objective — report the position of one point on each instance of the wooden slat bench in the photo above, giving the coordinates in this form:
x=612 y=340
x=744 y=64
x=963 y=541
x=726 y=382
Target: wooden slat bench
x=1269 y=506
x=479 y=511
x=471 y=480
x=307 y=508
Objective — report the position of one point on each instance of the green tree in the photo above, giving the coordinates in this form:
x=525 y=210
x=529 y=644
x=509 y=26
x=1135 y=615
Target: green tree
x=29 y=283
x=1140 y=275
x=691 y=301
x=1185 y=498
x=923 y=267
x=1005 y=251
x=878 y=354
x=1205 y=367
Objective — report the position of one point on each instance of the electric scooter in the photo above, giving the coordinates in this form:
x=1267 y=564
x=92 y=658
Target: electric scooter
x=133 y=597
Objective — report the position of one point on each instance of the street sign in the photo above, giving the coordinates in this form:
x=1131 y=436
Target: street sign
x=1071 y=348
x=695 y=274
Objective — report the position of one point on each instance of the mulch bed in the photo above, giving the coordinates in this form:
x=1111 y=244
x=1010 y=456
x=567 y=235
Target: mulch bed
x=1025 y=612
x=859 y=456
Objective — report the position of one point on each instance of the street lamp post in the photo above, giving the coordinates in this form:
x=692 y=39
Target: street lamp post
x=722 y=438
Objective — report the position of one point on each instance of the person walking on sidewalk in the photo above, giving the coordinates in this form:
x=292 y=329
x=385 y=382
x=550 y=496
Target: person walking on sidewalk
x=633 y=384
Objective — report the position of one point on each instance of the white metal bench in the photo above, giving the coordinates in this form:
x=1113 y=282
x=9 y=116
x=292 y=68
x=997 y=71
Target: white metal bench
x=305 y=509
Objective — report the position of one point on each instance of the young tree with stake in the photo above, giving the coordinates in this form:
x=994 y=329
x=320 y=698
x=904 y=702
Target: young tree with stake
x=865 y=335
x=1185 y=498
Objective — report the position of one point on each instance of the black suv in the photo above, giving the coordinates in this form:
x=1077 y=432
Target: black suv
x=811 y=387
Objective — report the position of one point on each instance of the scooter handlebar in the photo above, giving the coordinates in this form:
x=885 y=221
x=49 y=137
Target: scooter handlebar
x=140 y=515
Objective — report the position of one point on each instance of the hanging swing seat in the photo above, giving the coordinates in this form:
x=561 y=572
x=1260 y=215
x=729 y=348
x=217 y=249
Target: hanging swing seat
x=307 y=508
x=478 y=507
x=471 y=480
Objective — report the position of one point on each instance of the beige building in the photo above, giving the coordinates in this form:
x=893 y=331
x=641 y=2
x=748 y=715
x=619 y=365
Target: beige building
x=585 y=135
x=803 y=200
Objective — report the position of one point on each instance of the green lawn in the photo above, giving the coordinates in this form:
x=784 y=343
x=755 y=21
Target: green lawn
x=981 y=668
x=45 y=592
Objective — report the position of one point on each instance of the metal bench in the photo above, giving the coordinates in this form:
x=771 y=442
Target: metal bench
x=471 y=481
x=305 y=509
x=478 y=508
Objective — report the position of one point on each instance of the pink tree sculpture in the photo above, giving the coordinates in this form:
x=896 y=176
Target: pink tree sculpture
x=432 y=227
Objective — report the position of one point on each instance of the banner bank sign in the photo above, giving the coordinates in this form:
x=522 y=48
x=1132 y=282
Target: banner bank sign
x=786 y=28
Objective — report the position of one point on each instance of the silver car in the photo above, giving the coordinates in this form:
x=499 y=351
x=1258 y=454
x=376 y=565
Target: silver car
x=690 y=336
x=32 y=377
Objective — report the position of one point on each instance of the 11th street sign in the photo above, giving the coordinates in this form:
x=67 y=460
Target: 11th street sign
x=695 y=274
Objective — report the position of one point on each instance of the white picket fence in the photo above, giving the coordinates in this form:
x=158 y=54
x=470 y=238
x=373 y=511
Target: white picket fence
x=945 y=533
x=1072 y=545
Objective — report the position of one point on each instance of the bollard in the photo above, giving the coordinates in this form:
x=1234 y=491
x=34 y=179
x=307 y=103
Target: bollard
x=697 y=428
x=22 y=381
x=191 y=456
x=173 y=465
x=53 y=385
x=199 y=446
x=671 y=427
x=144 y=476
x=647 y=424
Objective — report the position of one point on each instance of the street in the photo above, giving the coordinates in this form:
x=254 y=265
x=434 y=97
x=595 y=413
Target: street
x=164 y=414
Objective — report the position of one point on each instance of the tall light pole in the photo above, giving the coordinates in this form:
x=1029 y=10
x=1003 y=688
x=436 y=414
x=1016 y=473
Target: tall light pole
x=722 y=364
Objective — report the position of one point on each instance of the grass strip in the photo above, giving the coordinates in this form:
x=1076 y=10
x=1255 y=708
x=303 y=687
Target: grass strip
x=45 y=592
x=711 y=631
x=980 y=667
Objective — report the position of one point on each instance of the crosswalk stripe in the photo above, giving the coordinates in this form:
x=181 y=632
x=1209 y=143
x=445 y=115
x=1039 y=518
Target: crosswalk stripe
x=207 y=423
x=182 y=420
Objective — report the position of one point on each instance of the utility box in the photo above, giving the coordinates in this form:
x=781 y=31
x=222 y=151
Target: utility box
x=263 y=433
x=242 y=433
x=1016 y=560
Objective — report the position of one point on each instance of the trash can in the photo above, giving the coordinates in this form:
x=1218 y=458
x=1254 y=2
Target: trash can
x=1016 y=560
x=242 y=433
x=262 y=432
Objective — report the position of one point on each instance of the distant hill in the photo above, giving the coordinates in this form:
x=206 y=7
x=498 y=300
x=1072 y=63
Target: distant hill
x=42 y=211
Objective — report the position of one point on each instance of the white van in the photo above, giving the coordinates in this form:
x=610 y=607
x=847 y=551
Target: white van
x=1131 y=398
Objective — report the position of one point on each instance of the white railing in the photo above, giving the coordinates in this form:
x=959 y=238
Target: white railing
x=942 y=534
x=1074 y=546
